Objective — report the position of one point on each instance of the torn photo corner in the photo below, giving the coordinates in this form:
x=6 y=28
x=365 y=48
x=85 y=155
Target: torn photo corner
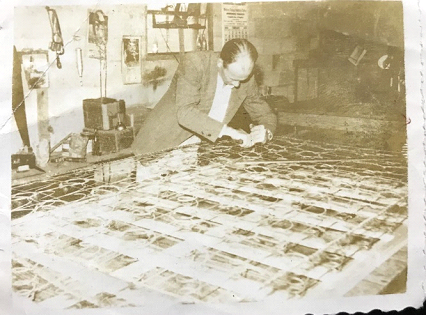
x=326 y=217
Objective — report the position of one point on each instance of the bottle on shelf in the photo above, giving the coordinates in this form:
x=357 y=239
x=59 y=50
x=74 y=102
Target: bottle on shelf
x=204 y=43
x=199 y=42
x=96 y=148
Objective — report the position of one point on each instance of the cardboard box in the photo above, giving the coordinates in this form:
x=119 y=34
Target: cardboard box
x=101 y=113
x=114 y=140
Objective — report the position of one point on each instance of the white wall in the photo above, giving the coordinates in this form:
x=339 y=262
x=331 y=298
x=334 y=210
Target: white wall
x=65 y=95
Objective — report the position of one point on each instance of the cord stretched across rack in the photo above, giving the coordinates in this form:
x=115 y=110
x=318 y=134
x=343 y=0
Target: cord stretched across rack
x=167 y=44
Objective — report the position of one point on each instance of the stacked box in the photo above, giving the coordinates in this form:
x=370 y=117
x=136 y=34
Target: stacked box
x=102 y=113
x=114 y=140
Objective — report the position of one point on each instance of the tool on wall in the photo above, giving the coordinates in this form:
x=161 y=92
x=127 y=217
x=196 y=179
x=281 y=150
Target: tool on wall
x=79 y=60
x=357 y=54
x=393 y=63
x=57 y=43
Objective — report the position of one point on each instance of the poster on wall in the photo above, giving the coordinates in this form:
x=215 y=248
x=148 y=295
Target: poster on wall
x=97 y=34
x=234 y=21
x=35 y=65
x=131 y=59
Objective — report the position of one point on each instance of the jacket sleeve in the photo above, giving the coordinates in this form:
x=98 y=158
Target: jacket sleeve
x=260 y=112
x=190 y=75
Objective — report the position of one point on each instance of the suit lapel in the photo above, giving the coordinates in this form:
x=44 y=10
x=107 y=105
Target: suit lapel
x=234 y=103
x=237 y=95
x=212 y=81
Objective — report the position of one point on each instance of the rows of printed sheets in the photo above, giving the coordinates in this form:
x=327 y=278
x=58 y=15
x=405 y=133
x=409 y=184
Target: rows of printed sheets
x=211 y=224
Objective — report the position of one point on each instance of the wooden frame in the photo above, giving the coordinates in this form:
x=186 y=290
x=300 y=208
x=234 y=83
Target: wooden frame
x=194 y=16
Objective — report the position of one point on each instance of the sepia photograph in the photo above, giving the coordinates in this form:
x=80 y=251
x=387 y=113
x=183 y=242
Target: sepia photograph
x=218 y=158
x=131 y=51
x=35 y=66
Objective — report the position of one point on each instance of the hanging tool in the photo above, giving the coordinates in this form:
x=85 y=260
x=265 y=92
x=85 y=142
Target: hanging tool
x=57 y=43
x=79 y=60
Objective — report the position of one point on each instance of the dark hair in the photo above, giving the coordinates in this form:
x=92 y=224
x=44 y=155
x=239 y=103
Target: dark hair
x=234 y=47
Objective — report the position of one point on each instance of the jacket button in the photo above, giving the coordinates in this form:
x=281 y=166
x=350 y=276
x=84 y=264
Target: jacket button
x=209 y=135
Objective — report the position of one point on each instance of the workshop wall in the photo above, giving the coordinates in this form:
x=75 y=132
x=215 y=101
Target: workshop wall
x=281 y=32
x=65 y=95
x=287 y=31
x=361 y=104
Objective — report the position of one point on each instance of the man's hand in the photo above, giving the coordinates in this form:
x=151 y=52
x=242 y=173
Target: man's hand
x=239 y=135
x=259 y=134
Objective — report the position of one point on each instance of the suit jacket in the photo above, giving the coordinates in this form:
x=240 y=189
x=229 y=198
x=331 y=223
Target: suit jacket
x=184 y=108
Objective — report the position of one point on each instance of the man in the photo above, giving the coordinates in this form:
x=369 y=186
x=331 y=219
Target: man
x=205 y=93
x=132 y=52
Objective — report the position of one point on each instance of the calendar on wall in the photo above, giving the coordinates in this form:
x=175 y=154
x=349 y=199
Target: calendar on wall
x=234 y=21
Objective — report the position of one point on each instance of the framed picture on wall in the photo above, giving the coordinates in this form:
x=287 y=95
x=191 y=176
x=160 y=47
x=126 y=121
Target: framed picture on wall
x=35 y=65
x=131 y=59
x=131 y=51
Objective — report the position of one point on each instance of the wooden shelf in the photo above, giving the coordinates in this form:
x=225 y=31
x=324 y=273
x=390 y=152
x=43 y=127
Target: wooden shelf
x=175 y=26
x=162 y=56
x=179 y=20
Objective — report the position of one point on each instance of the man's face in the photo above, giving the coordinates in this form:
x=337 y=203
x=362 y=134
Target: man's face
x=132 y=47
x=237 y=71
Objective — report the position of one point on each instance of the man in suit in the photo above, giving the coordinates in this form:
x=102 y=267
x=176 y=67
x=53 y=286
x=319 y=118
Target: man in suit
x=204 y=95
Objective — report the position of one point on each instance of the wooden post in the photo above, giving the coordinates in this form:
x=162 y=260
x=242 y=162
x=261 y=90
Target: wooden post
x=209 y=25
x=181 y=42
x=42 y=114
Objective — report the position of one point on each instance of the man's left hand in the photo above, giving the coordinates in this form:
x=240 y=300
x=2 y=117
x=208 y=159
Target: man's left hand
x=259 y=134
